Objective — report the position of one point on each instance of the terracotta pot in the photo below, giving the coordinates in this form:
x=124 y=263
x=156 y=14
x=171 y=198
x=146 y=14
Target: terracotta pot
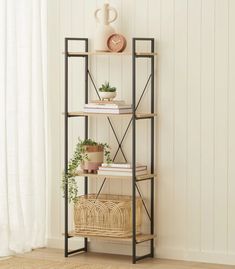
x=95 y=159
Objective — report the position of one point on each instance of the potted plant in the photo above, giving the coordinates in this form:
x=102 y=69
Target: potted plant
x=107 y=92
x=89 y=155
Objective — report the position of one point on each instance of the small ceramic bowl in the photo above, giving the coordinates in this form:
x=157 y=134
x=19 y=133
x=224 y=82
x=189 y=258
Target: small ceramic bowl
x=107 y=95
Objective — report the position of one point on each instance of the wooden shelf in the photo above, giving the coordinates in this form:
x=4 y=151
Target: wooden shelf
x=82 y=114
x=138 y=115
x=139 y=238
x=104 y=53
x=96 y=176
x=145 y=115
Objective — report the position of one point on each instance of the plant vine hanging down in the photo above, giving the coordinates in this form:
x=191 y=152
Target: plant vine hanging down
x=80 y=155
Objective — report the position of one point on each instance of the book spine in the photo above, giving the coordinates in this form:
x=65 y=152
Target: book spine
x=116 y=173
x=116 y=165
x=106 y=107
x=111 y=111
x=121 y=165
x=121 y=169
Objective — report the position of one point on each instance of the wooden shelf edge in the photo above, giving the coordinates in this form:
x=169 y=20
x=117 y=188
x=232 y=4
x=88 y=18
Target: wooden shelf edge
x=97 y=53
x=145 y=115
x=81 y=113
x=145 y=176
x=145 y=237
x=138 y=115
x=139 y=238
x=81 y=174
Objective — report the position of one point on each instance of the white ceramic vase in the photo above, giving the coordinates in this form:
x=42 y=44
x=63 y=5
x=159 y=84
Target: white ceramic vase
x=104 y=29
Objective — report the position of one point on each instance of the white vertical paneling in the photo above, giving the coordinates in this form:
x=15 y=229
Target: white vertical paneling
x=102 y=75
x=77 y=75
x=127 y=30
x=231 y=129
x=115 y=78
x=142 y=73
x=90 y=25
x=154 y=30
x=194 y=125
x=195 y=101
x=65 y=31
x=207 y=124
x=165 y=120
x=180 y=128
x=221 y=126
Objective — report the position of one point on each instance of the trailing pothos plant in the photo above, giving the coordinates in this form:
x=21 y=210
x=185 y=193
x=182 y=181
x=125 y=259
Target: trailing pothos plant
x=79 y=156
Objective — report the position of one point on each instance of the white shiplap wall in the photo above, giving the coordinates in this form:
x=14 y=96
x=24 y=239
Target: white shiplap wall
x=195 y=79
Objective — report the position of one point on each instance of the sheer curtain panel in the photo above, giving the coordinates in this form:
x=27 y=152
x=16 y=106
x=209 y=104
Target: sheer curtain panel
x=22 y=125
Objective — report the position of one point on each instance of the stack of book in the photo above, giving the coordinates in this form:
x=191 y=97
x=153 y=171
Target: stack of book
x=121 y=169
x=110 y=107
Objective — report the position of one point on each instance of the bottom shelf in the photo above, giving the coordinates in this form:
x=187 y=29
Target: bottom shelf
x=139 y=238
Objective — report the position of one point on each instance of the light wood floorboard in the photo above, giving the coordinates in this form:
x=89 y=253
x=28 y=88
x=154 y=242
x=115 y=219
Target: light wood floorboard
x=97 y=258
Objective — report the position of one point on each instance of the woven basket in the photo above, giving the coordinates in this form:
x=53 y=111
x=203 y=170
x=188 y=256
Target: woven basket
x=109 y=215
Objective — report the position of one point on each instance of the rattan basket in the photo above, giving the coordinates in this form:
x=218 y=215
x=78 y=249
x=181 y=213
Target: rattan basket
x=108 y=215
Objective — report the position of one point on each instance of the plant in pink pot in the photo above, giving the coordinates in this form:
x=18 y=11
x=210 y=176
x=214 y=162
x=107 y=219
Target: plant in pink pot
x=89 y=155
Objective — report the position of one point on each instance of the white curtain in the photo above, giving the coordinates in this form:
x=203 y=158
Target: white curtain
x=22 y=125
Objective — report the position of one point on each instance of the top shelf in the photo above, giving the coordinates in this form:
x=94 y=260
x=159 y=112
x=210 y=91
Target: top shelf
x=125 y=53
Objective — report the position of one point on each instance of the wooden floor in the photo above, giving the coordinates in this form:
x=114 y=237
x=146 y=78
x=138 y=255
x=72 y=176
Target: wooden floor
x=95 y=258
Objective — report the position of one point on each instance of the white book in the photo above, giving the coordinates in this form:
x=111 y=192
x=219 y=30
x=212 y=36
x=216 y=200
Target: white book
x=121 y=165
x=118 y=173
x=106 y=106
x=118 y=102
x=108 y=111
x=140 y=168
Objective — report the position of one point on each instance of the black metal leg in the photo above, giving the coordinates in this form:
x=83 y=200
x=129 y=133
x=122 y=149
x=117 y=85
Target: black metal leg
x=86 y=126
x=133 y=153
x=152 y=150
x=66 y=149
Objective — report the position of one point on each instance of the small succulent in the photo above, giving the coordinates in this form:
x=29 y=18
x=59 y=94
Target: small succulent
x=107 y=88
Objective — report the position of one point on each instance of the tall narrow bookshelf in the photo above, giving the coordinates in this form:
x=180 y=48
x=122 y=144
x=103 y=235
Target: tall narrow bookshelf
x=134 y=117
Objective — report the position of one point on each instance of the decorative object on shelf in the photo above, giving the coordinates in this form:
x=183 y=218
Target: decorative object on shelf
x=107 y=92
x=121 y=169
x=116 y=43
x=108 y=107
x=104 y=29
x=94 y=154
x=89 y=154
x=106 y=215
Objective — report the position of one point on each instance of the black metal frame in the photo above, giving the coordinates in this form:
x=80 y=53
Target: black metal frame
x=132 y=122
x=134 y=181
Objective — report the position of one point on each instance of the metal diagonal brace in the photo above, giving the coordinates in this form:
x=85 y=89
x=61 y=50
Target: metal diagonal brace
x=145 y=207
x=101 y=187
x=128 y=126
x=109 y=120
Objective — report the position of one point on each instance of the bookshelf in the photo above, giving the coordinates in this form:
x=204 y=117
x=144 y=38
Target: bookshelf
x=134 y=116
